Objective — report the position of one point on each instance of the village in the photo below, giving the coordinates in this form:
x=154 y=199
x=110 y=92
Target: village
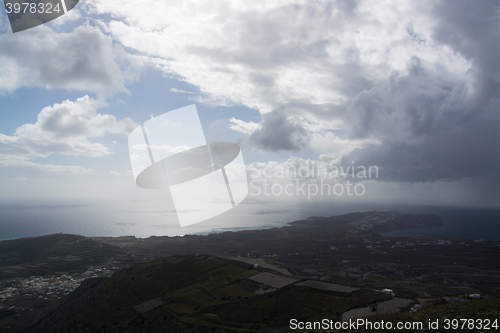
x=21 y=295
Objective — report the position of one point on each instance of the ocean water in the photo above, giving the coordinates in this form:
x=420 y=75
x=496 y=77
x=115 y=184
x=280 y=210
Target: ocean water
x=140 y=219
x=143 y=219
x=459 y=222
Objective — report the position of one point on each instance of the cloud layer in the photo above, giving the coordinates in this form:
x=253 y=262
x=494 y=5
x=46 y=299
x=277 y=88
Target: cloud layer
x=413 y=87
x=22 y=161
x=410 y=86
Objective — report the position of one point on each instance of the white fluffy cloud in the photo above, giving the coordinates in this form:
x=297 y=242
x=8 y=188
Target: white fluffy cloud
x=66 y=128
x=81 y=60
x=264 y=54
x=244 y=127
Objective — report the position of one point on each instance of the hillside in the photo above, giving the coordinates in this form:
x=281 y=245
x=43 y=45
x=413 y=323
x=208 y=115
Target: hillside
x=322 y=267
x=195 y=292
x=52 y=253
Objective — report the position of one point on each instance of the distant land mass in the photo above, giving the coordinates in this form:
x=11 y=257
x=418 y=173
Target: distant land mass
x=256 y=280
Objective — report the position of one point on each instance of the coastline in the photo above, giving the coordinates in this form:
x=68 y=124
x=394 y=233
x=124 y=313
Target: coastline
x=459 y=222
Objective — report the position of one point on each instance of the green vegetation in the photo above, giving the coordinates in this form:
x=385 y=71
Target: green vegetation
x=198 y=291
x=48 y=254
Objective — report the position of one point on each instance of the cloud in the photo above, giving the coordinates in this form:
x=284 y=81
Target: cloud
x=242 y=126
x=435 y=122
x=178 y=91
x=70 y=16
x=410 y=86
x=81 y=60
x=264 y=55
x=167 y=148
x=24 y=162
x=444 y=156
x=413 y=104
x=429 y=113
x=66 y=129
x=278 y=132
x=332 y=147
x=295 y=128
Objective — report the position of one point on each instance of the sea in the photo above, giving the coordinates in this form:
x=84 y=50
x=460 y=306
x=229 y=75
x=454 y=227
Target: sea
x=142 y=219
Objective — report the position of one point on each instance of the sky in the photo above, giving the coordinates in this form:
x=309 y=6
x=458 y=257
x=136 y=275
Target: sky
x=410 y=88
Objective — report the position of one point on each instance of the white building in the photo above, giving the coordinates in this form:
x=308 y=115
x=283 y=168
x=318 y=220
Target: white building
x=388 y=292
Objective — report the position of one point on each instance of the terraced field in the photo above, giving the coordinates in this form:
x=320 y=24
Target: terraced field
x=191 y=292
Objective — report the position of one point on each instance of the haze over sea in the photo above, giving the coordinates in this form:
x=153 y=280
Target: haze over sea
x=142 y=219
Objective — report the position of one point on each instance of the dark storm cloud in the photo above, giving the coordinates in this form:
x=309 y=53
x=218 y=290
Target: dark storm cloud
x=279 y=132
x=412 y=105
x=432 y=123
x=432 y=120
x=448 y=156
x=473 y=30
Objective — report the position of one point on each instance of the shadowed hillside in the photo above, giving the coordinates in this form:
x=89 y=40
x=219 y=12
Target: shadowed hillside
x=195 y=292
